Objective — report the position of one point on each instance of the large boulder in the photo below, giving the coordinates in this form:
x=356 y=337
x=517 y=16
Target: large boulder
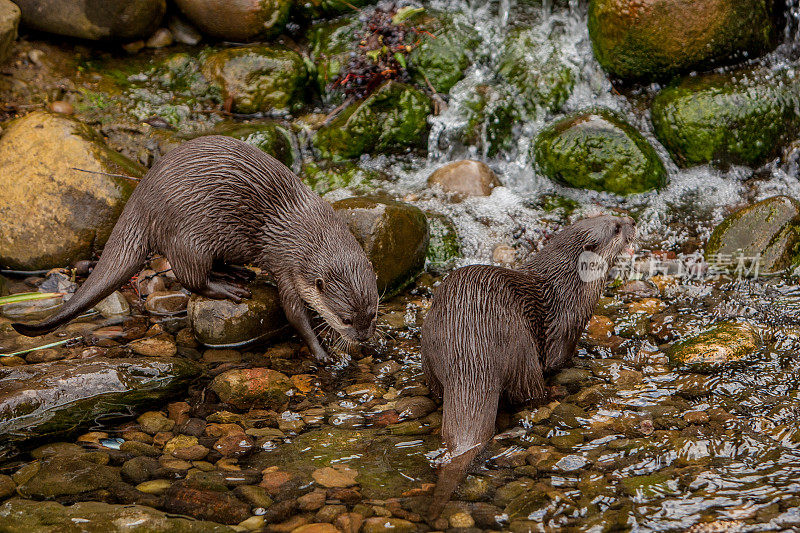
x=224 y=323
x=59 y=475
x=533 y=62
x=596 y=149
x=89 y=19
x=392 y=119
x=258 y=78
x=721 y=346
x=741 y=118
x=46 y=399
x=269 y=137
x=767 y=232
x=394 y=235
x=324 y=177
x=237 y=20
x=27 y=516
x=658 y=38
x=51 y=213
x=9 y=22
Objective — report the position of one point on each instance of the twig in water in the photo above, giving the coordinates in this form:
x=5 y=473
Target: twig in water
x=105 y=173
x=332 y=114
x=439 y=104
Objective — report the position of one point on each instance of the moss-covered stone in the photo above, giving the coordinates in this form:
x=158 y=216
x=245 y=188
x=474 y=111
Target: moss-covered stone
x=741 y=118
x=258 y=78
x=394 y=235
x=444 y=247
x=330 y=45
x=768 y=230
x=9 y=23
x=441 y=51
x=392 y=119
x=659 y=38
x=326 y=177
x=724 y=345
x=269 y=137
x=533 y=63
x=596 y=149
x=51 y=213
x=27 y=516
x=87 y=19
x=489 y=115
x=237 y=21
x=320 y=8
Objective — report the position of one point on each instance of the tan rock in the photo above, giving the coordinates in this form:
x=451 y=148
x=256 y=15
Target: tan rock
x=465 y=178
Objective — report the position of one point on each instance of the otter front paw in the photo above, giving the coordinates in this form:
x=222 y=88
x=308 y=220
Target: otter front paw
x=322 y=356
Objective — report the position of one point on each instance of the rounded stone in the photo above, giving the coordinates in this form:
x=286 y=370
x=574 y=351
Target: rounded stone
x=724 y=345
x=464 y=178
x=237 y=20
x=166 y=303
x=595 y=149
x=393 y=234
x=658 y=38
x=250 y=387
x=68 y=213
x=9 y=23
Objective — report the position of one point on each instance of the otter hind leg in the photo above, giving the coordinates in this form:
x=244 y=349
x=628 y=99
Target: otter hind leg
x=193 y=271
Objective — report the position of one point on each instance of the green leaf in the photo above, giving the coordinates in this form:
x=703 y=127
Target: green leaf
x=400 y=59
x=373 y=54
x=406 y=13
x=28 y=296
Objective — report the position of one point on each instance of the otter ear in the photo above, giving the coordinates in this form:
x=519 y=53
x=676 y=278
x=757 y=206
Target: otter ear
x=320 y=284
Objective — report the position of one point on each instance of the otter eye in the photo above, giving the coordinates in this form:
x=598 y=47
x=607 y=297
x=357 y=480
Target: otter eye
x=617 y=228
x=320 y=284
x=347 y=322
x=590 y=247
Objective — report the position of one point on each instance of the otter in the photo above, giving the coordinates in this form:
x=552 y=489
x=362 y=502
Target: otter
x=216 y=202
x=493 y=332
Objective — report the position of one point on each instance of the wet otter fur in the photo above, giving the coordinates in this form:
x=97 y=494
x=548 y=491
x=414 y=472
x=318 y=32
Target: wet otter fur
x=493 y=332
x=215 y=202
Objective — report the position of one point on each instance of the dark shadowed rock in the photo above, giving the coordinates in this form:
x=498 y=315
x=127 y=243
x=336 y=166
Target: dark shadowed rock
x=88 y=19
x=206 y=504
x=9 y=22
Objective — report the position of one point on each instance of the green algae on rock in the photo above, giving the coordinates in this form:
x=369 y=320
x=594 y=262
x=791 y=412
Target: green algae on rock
x=392 y=119
x=740 y=118
x=27 y=516
x=46 y=200
x=659 y=38
x=224 y=323
x=88 y=19
x=258 y=78
x=444 y=247
x=393 y=234
x=252 y=387
x=489 y=115
x=534 y=65
x=326 y=177
x=768 y=231
x=330 y=46
x=596 y=149
x=55 y=398
x=238 y=20
x=269 y=137
x=721 y=346
x=9 y=23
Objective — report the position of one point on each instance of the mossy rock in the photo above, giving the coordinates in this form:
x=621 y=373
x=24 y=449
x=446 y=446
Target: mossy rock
x=768 y=230
x=533 y=63
x=269 y=137
x=326 y=177
x=51 y=213
x=595 y=149
x=444 y=247
x=489 y=115
x=393 y=234
x=9 y=23
x=330 y=46
x=442 y=52
x=392 y=119
x=722 y=346
x=742 y=118
x=659 y=38
x=320 y=8
x=258 y=78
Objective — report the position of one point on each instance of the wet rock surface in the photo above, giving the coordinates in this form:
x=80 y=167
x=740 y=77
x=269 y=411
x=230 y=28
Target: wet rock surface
x=9 y=23
x=465 y=178
x=634 y=40
x=67 y=212
x=394 y=235
x=239 y=20
x=89 y=20
x=597 y=150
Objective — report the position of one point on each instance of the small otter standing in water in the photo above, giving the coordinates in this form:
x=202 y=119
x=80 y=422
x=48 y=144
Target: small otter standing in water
x=215 y=202
x=492 y=332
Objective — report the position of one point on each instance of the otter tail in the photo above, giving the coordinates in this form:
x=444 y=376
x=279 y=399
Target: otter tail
x=122 y=257
x=468 y=425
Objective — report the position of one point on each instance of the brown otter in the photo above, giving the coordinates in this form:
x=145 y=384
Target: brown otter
x=219 y=201
x=492 y=332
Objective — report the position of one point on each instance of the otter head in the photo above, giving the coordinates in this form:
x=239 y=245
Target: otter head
x=344 y=292
x=586 y=249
